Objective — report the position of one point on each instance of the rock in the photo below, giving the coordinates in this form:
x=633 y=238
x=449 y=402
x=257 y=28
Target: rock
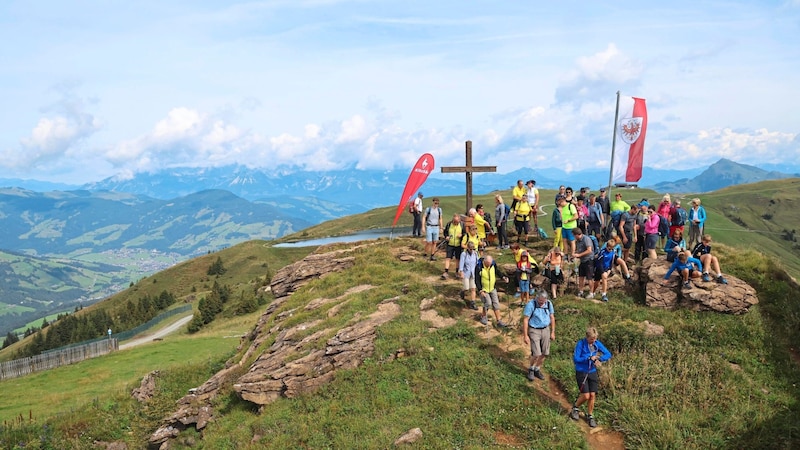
x=146 y=388
x=111 y=445
x=651 y=329
x=736 y=297
x=409 y=437
x=290 y=278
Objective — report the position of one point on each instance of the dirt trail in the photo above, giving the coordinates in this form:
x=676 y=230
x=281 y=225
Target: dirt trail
x=158 y=334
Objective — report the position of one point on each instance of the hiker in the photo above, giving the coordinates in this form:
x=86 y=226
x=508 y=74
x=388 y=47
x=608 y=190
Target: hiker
x=525 y=270
x=569 y=222
x=557 y=224
x=702 y=251
x=675 y=245
x=583 y=213
x=663 y=210
x=618 y=260
x=628 y=230
x=677 y=218
x=603 y=265
x=618 y=207
x=431 y=224
x=517 y=193
x=486 y=275
x=533 y=201
x=640 y=243
x=501 y=212
x=568 y=195
x=470 y=236
x=538 y=329
x=687 y=268
x=697 y=220
x=584 y=251
x=605 y=205
x=453 y=232
x=652 y=226
x=416 y=231
x=589 y=353
x=562 y=190
x=554 y=270
x=595 y=221
x=477 y=216
x=522 y=218
x=466 y=267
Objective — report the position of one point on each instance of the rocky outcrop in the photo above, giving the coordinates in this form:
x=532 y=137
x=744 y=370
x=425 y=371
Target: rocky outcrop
x=317 y=265
x=147 y=387
x=296 y=361
x=409 y=437
x=736 y=297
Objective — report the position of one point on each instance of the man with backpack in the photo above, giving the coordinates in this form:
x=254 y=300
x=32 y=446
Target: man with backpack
x=431 y=224
x=538 y=329
x=416 y=210
x=584 y=250
x=678 y=218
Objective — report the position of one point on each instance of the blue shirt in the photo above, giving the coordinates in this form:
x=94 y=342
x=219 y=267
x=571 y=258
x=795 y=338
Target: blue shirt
x=584 y=351
x=679 y=266
x=539 y=317
x=467 y=263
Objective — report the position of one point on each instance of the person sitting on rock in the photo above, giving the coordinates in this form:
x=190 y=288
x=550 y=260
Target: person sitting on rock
x=603 y=265
x=675 y=245
x=486 y=275
x=618 y=260
x=466 y=267
x=687 y=267
x=702 y=251
x=554 y=270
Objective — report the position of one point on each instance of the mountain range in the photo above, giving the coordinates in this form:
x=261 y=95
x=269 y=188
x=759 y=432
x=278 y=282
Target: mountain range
x=721 y=174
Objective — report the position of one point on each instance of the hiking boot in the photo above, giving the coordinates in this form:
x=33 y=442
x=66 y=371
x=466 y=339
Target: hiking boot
x=575 y=414
x=721 y=280
x=473 y=306
x=484 y=320
x=706 y=277
x=531 y=374
x=538 y=374
x=580 y=294
x=592 y=422
x=605 y=298
x=433 y=258
x=444 y=276
x=687 y=285
x=591 y=295
x=501 y=324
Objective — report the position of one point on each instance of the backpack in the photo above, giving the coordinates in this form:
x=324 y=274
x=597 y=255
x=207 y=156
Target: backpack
x=411 y=208
x=595 y=246
x=663 y=226
x=508 y=211
x=682 y=217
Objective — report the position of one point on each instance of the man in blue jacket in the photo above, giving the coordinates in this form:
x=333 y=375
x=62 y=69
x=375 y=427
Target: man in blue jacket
x=589 y=353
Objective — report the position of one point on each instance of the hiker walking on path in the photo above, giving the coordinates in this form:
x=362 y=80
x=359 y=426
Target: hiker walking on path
x=453 y=232
x=538 y=329
x=431 y=224
x=589 y=353
x=466 y=266
x=697 y=221
x=417 y=212
x=486 y=275
x=585 y=253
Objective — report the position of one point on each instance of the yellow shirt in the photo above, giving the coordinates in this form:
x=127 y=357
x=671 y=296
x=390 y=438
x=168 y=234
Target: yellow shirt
x=522 y=212
x=470 y=238
x=518 y=192
x=480 y=222
x=566 y=214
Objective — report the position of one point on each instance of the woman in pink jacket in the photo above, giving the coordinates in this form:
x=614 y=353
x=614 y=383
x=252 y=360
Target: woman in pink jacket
x=651 y=232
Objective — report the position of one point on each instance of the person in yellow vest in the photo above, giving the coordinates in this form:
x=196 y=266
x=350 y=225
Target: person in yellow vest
x=517 y=193
x=470 y=236
x=486 y=276
x=453 y=232
x=480 y=222
x=522 y=218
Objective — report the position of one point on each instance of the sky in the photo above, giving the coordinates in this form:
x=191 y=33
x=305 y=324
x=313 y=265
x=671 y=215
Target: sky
x=91 y=89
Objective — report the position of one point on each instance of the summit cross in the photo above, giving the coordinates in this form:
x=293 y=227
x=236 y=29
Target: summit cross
x=469 y=169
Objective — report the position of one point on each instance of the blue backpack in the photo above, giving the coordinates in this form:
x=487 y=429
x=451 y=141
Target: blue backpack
x=595 y=246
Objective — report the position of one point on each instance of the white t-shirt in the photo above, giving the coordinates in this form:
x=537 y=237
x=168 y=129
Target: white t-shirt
x=418 y=205
x=532 y=193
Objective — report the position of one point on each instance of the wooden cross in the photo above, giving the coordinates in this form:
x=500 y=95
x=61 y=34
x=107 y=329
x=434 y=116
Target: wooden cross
x=469 y=169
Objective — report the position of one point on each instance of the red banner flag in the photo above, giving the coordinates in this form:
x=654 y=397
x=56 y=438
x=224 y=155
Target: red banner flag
x=419 y=174
x=631 y=131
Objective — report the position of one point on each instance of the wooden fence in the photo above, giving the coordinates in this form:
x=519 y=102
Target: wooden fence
x=57 y=358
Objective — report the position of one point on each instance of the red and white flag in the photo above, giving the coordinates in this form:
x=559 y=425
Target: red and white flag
x=419 y=174
x=629 y=150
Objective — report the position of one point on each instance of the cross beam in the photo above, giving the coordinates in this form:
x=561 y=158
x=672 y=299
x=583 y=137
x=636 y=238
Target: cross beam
x=469 y=169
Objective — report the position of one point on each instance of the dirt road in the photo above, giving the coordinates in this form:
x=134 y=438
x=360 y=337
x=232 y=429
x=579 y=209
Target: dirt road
x=158 y=334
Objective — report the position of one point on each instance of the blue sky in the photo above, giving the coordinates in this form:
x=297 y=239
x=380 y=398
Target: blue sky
x=92 y=89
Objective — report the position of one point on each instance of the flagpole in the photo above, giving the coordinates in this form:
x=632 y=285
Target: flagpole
x=613 y=149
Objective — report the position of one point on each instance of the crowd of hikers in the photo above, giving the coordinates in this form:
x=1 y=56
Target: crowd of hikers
x=592 y=240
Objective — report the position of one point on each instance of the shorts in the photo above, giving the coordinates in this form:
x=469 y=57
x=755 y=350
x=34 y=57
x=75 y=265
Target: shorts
x=629 y=244
x=453 y=252
x=432 y=233
x=598 y=274
x=524 y=285
x=555 y=278
x=540 y=341
x=590 y=383
x=586 y=269
x=651 y=241
x=469 y=283
x=490 y=299
x=522 y=226
x=566 y=233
